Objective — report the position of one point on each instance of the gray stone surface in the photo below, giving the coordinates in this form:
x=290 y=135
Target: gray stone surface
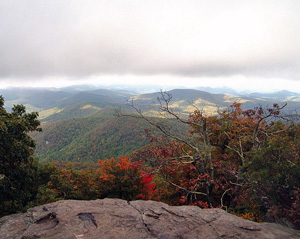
x=114 y=219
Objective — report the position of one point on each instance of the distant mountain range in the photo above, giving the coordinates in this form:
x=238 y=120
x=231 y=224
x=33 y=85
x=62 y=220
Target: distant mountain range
x=186 y=100
x=83 y=101
x=79 y=122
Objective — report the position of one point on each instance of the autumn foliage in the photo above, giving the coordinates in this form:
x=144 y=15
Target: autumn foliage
x=123 y=179
x=112 y=178
x=244 y=161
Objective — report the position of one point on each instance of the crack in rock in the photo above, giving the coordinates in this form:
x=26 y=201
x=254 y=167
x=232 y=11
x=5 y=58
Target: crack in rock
x=151 y=215
x=250 y=228
x=210 y=221
x=49 y=217
x=87 y=217
x=143 y=221
x=30 y=237
x=173 y=213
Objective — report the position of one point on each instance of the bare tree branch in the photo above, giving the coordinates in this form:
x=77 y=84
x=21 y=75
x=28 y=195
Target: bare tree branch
x=188 y=191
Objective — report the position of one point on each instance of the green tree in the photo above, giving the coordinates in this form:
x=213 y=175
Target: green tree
x=275 y=174
x=18 y=167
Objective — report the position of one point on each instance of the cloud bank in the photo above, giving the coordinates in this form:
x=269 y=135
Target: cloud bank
x=190 y=38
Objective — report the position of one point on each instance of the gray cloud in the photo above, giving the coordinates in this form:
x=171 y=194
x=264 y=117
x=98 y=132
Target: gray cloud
x=185 y=38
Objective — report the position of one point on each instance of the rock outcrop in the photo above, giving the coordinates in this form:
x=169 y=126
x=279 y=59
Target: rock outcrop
x=115 y=218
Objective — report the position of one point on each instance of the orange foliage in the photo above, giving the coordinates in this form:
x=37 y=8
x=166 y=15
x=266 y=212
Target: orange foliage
x=124 y=179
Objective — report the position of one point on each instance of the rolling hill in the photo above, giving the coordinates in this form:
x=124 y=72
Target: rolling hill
x=100 y=136
x=79 y=124
x=186 y=101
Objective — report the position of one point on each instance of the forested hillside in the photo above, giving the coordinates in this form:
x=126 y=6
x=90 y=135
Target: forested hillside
x=100 y=136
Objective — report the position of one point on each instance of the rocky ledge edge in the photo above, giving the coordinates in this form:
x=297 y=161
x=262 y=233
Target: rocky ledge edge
x=115 y=218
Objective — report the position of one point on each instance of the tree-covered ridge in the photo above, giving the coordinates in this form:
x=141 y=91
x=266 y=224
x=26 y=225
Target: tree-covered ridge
x=62 y=104
x=185 y=100
x=97 y=137
x=83 y=101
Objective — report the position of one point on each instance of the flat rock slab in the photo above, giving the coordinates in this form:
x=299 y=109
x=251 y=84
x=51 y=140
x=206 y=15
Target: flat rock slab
x=115 y=219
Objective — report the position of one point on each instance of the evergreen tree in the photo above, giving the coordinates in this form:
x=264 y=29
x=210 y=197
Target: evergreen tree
x=18 y=167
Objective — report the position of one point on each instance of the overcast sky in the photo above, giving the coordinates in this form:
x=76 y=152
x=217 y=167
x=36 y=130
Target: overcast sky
x=242 y=44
